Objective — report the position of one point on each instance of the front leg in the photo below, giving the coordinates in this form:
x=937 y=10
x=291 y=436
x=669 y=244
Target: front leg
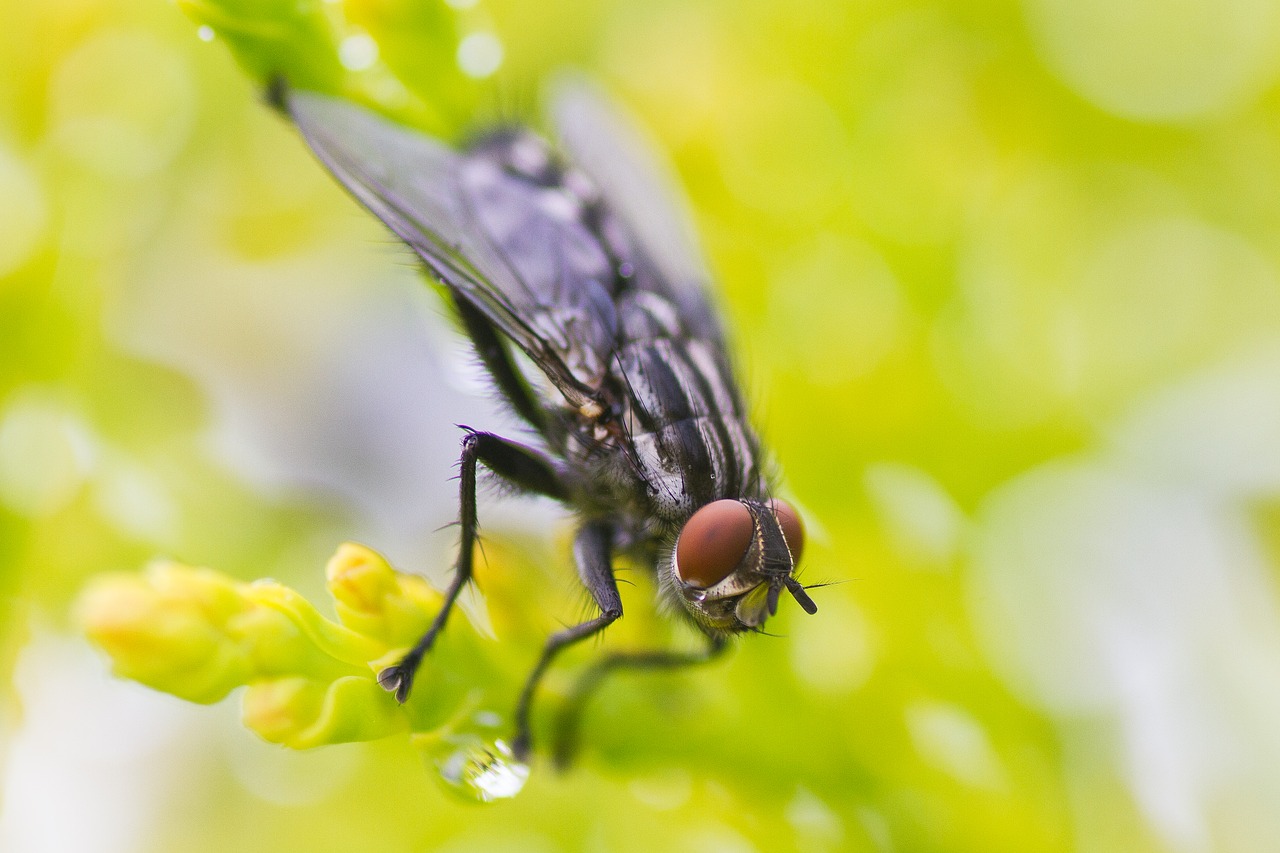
x=521 y=466
x=593 y=552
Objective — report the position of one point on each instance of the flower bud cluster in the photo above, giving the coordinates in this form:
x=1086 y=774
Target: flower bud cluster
x=198 y=634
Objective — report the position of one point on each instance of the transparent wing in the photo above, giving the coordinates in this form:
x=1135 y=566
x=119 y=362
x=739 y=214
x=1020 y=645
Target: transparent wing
x=492 y=238
x=612 y=150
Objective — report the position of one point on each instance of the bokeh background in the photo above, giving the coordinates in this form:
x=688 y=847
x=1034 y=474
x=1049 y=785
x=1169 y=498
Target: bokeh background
x=1003 y=278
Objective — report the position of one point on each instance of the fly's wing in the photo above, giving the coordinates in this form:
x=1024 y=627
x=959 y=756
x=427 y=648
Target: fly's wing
x=499 y=242
x=610 y=148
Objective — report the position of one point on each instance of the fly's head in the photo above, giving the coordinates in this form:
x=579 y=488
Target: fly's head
x=732 y=561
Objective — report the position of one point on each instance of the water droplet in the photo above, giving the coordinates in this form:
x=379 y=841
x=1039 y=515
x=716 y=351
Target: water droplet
x=472 y=762
x=482 y=771
x=205 y=33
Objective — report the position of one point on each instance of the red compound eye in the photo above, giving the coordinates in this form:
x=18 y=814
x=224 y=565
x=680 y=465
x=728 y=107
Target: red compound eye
x=713 y=542
x=792 y=527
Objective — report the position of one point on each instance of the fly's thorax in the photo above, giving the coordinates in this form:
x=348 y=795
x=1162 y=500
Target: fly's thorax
x=689 y=438
x=731 y=561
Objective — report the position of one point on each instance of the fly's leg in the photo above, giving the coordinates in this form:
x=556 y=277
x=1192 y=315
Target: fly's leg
x=593 y=553
x=589 y=682
x=493 y=352
x=521 y=466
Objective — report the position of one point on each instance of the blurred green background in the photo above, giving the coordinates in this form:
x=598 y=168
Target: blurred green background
x=1004 y=284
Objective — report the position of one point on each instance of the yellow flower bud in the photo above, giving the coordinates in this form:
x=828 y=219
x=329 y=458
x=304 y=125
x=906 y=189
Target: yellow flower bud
x=164 y=630
x=311 y=681
x=301 y=713
x=372 y=598
x=323 y=641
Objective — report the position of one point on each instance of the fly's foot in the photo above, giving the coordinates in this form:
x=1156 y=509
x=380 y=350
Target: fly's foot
x=565 y=749
x=521 y=745
x=398 y=679
x=565 y=752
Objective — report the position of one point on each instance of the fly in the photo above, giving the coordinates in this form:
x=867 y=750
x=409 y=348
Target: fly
x=581 y=262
